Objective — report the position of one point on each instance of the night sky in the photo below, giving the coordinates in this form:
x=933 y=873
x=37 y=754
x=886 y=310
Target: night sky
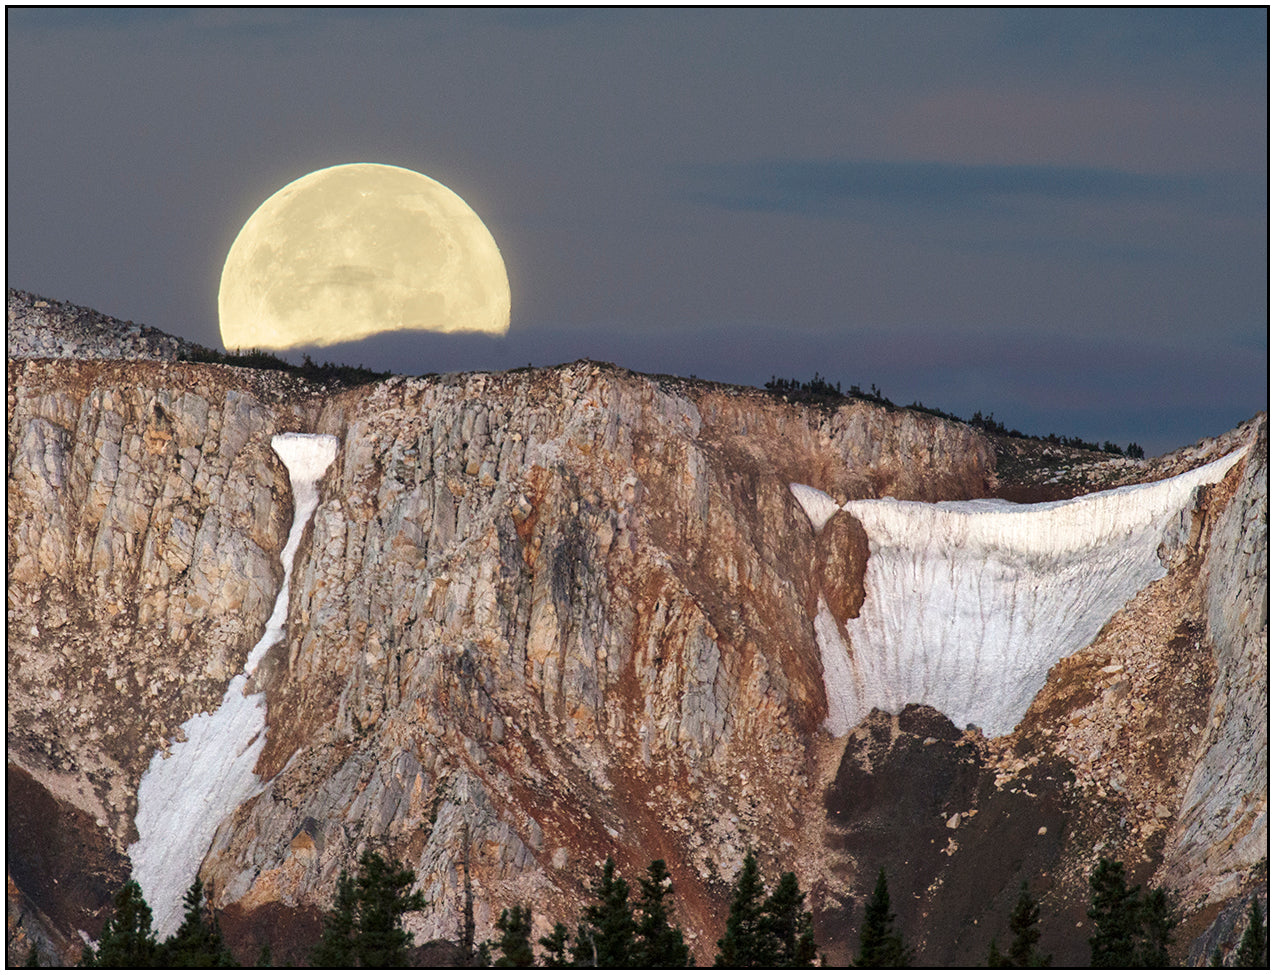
x=1058 y=216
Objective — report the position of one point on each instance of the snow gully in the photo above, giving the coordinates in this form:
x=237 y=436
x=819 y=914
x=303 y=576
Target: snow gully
x=184 y=795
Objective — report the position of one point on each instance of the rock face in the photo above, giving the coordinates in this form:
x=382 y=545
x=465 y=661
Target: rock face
x=569 y=606
x=549 y=615
x=143 y=518
x=1224 y=825
x=209 y=770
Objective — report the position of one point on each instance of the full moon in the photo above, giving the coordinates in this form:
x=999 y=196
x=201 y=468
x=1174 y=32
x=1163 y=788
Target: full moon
x=355 y=250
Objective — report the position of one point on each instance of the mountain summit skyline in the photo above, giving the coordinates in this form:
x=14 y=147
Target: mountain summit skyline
x=545 y=616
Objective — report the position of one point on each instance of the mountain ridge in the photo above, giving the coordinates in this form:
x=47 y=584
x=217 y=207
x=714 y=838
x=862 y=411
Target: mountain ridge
x=567 y=612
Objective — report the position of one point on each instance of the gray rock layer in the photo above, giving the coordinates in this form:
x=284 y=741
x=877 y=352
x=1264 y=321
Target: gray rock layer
x=1223 y=828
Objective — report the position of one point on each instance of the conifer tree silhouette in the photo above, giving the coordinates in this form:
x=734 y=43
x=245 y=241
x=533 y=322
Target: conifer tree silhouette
x=879 y=945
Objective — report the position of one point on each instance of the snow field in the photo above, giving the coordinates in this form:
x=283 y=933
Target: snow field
x=968 y=604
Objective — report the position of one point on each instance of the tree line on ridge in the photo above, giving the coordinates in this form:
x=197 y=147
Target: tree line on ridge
x=819 y=391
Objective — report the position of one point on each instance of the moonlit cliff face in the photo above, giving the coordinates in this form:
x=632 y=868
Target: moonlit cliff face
x=968 y=604
x=546 y=616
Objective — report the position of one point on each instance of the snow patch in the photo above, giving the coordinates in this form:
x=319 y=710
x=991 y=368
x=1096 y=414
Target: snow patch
x=184 y=795
x=818 y=506
x=842 y=684
x=968 y=604
x=306 y=456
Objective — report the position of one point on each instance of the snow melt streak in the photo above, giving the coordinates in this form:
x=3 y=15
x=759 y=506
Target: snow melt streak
x=970 y=603
x=183 y=797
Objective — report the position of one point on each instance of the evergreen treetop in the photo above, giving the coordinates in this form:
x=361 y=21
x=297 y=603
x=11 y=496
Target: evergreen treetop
x=1024 y=922
x=336 y=944
x=1114 y=910
x=385 y=895
x=879 y=945
x=744 y=944
x=658 y=943
x=128 y=940
x=365 y=925
x=555 y=945
x=1156 y=935
x=1255 y=946
x=197 y=943
x=583 y=949
x=789 y=928
x=605 y=937
x=766 y=931
x=1130 y=930
x=514 y=943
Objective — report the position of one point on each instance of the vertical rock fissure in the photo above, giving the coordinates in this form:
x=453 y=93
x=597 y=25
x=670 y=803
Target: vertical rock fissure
x=204 y=776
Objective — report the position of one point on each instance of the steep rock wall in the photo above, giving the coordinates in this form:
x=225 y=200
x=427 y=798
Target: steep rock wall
x=549 y=615
x=558 y=611
x=548 y=593
x=1224 y=826
x=145 y=513
x=210 y=769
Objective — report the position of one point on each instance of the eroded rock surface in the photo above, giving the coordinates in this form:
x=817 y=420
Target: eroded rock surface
x=566 y=613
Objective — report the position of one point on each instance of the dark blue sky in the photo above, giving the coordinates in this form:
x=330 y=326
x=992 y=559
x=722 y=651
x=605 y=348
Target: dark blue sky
x=1059 y=216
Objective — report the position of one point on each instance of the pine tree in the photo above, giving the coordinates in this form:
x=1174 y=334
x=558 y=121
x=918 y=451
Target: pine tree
x=515 y=938
x=1023 y=924
x=1131 y=930
x=336 y=944
x=790 y=929
x=745 y=945
x=584 y=953
x=879 y=945
x=994 y=957
x=365 y=925
x=608 y=924
x=383 y=892
x=555 y=945
x=127 y=940
x=1215 y=959
x=1114 y=911
x=197 y=943
x=658 y=943
x=1155 y=933
x=1255 y=946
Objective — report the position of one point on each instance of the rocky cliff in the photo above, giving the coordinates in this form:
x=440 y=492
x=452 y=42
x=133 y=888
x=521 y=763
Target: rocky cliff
x=542 y=616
